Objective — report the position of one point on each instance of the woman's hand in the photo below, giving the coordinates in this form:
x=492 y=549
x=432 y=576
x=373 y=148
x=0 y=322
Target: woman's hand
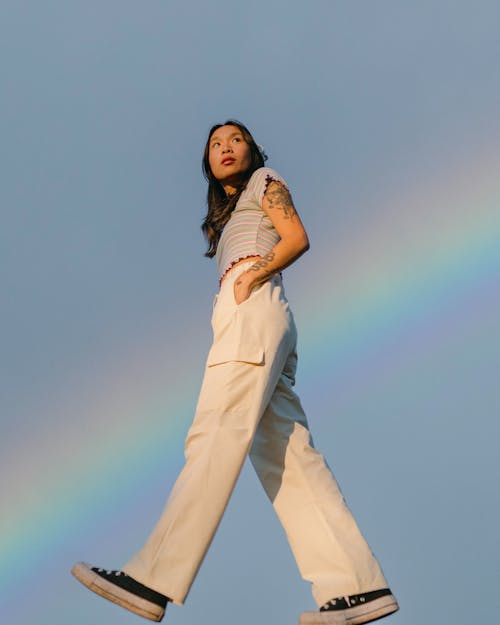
x=243 y=287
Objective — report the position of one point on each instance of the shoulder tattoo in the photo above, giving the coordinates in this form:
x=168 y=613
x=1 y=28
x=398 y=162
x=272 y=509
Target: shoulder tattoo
x=279 y=199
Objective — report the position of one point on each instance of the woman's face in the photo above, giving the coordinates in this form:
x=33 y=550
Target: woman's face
x=228 y=154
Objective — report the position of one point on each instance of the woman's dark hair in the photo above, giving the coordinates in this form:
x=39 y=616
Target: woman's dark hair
x=220 y=205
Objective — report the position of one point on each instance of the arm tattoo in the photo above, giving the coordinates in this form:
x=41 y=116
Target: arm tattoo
x=262 y=264
x=279 y=197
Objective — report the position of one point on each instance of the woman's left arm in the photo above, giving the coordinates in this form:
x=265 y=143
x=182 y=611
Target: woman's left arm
x=277 y=204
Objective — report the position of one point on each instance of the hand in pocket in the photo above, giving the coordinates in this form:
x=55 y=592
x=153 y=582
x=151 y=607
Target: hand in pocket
x=242 y=287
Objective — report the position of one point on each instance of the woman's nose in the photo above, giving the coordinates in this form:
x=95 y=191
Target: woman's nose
x=227 y=148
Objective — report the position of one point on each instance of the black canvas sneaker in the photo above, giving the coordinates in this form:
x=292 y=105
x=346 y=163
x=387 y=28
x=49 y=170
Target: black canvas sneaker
x=122 y=589
x=353 y=610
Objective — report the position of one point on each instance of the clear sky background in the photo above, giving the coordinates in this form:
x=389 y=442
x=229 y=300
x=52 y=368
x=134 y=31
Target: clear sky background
x=384 y=119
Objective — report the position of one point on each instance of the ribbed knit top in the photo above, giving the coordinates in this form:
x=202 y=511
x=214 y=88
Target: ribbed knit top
x=249 y=231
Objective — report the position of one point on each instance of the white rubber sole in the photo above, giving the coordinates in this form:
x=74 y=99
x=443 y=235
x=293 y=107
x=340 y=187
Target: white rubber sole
x=120 y=596
x=357 y=615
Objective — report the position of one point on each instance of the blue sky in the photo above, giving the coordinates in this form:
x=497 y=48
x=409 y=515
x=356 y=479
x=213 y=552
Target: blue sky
x=383 y=118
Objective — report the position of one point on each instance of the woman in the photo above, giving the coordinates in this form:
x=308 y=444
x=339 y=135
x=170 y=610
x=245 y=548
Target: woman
x=247 y=406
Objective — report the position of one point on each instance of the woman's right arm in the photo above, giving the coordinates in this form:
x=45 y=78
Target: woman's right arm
x=278 y=205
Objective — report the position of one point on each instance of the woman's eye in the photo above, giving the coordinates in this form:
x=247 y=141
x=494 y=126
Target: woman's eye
x=238 y=139
x=216 y=144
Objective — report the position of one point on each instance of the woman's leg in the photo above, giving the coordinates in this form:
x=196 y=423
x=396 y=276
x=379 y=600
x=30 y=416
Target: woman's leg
x=326 y=542
x=251 y=345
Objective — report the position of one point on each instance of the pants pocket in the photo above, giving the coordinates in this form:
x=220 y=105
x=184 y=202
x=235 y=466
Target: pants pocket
x=235 y=352
x=253 y=293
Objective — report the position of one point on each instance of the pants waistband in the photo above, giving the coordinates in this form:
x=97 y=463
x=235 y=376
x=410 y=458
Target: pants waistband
x=234 y=272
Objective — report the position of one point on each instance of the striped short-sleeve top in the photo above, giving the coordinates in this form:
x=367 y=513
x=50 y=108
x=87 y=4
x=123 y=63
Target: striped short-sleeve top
x=249 y=231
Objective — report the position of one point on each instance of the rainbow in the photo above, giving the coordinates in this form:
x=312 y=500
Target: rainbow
x=426 y=248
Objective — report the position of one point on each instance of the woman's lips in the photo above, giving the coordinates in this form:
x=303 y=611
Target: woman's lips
x=228 y=161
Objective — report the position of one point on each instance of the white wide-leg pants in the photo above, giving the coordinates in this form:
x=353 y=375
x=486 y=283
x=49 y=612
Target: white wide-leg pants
x=247 y=406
